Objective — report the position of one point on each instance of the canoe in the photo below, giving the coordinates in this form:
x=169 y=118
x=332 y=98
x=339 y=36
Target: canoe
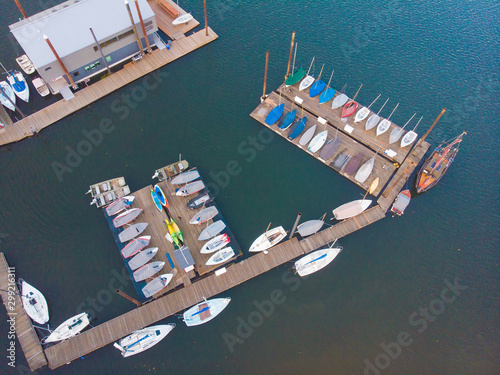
x=221 y=256
x=317 y=88
x=204 y=215
x=201 y=200
x=275 y=114
x=69 y=328
x=341 y=160
x=126 y=217
x=353 y=164
x=288 y=120
x=310 y=227
x=161 y=196
x=402 y=201
x=372 y=121
x=362 y=114
x=307 y=136
x=351 y=209
x=156 y=200
x=212 y=230
x=326 y=95
x=365 y=170
x=25 y=64
x=339 y=101
x=349 y=109
x=329 y=150
x=185 y=18
x=148 y=270
x=383 y=127
x=294 y=132
x=408 y=139
x=306 y=82
x=318 y=141
x=119 y=205
x=142 y=258
x=34 y=303
x=316 y=260
x=205 y=311
x=143 y=339
x=215 y=244
x=135 y=246
x=295 y=77
x=157 y=284
x=19 y=85
x=7 y=93
x=186 y=177
x=132 y=232
x=268 y=239
x=41 y=87
x=191 y=188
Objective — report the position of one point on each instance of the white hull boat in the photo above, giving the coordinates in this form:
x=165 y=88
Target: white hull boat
x=104 y=199
x=41 y=87
x=306 y=82
x=148 y=270
x=204 y=215
x=408 y=139
x=185 y=18
x=316 y=260
x=10 y=94
x=132 y=232
x=268 y=239
x=215 y=244
x=143 y=339
x=186 y=177
x=119 y=205
x=142 y=258
x=362 y=114
x=318 y=141
x=126 y=217
x=190 y=188
x=135 y=246
x=205 y=311
x=69 y=328
x=365 y=170
x=25 y=64
x=339 y=101
x=307 y=136
x=19 y=85
x=351 y=209
x=221 y=256
x=34 y=303
x=212 y=230
x=310 y=227
x=383 y=127
x=156 y=285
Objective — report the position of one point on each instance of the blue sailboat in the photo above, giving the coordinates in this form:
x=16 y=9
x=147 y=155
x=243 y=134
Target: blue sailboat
x=288 y=120
x=275 y=114
x=328 y=93
x=297 y=128
x=318 y=86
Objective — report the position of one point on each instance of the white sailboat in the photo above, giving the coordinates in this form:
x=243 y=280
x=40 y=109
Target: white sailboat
x=221 y=256
x=142 y=258
x=184 y=18
x=307 y=136
x=308 y=80
x=143 y=339
x=34 y=303
x=339 y=100
x=396 y=133
x=186 y=177
x=157 y=285
x=351 y=209
x=385 y=124
x=7 y=93
x=69 y=328
x=148 y=270
x=410 y=137
x=318 y=141
x=310 y=227
x=375 y=118
x=205 y=311
x=215 y=244
x=365 y=111
x=316 y=260
x=365 y=170
x=212 y=230
x=119 y=205
x=268 y=239
x=132 y=232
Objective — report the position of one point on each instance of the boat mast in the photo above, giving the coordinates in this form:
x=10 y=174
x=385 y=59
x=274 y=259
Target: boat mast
x=330 y=80
x=374 y=100
x=265 y=77
x=290 y=57
x=417 y=123
x=294 y=56
x=408 y=121
x=381 y=108
x=357 y=92
x=392 y=111
x=310 y=66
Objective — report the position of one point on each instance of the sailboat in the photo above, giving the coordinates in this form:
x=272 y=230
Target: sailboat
x=375 y=118
x=132 y=232
x=34 y=303
x=221 y=256
x=205 y=311
x=275 y=114
x=385 y=124
x=157 y=285
x=402 y=201
x=318 y=86
x=186 y=177
x=7 y=93
x=307 y=136
x=203 y=199
x=410 y=137
x=143 y=339
x=353 y=164
x=365 y=111
x=297 y=75
x=18 y=83
x=268 y=239
x=328 y=93
x=317 y=260
x=69 y=328
x=297 y=128
x=215 y=244
x=190 y=188
x=340 y=99
x=126 y=217
x=142 y=258
x=184 y=18
x=288 y=120
x=119 y=205
x=365 y=170
x=329 y=150
x=212 y=230
x=309 y=80
x=351 y=106
x=351 y=209
x=135 y=246
x=396 y=133
x=148 y=270
x=437 y=164
x=204 y=215
x=310 y=227
x=318 y=141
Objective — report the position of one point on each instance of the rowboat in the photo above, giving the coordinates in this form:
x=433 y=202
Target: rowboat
x=126 y=217
x=340 y=161
x=212 y=230
x=275 y=114
x=69 y=328
x=308 y=80
x=307 y=136
x=190 y=188
x=215 y=244
x=268 y=239
x=349 y=109
x=339 y=101
x=201 y=200
x=119 y=205
x=103 y=199
x=157 y=284
x=205 y=311
x=171 y=170
x=351 y=209
x=185 y=18
x=186 y=177
x=329 y=150
x=310 y=227
x=318 y=141
x=385 y=124
x=396 y=133
x=143 y=339
x=34 y=303
x=353 y=164
x=7 y=93
x=161 y=196
x=316 y=260
x=142 y=258
x=25 y=64
x=297 y=128
x=402 y=201
x=328 y=93
x=365 y=170
x=135 y=246
x=365 y=111
x=318 y=86
x=288 y=120
x=132 y=232
x=41 y=86
x=148 y=270
x=156 y=200
x=19 y=85
x=204 y=215
x=410 y=137
x=375 y=118
x=221 y=256
x=105 y=186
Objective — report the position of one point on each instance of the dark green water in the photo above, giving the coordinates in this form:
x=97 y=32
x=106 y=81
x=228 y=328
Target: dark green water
x=423 y=54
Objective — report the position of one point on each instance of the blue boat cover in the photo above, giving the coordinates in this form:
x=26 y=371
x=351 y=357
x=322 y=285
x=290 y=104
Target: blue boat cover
x=299 y=129
x=326 y=95
x=288 y=119
x=316 y=88
x=275 y=114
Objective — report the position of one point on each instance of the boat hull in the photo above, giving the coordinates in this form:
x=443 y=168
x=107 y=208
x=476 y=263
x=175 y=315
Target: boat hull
x=204 y=215
x=310 y=227
x=186 y=177
x=190 y=188
x=289 y=118
x=215 y=244
x=135 y=246
x=353 y=164
x=126 y=217
x=132 y=232
x=326 y=95
x=119 y=205
x=316 y=260
x=402 y=201
x=212 y=230
x=317 y=88
x=268 y=239
x=157 y=285
x=143 y=339
x=329 y=150
x=349 y=109
x=34 y=303
x=148 y=270
x=221 y=256
x=339 y=101
x=351 y=209
x=306 y=82
x=205 y=311
x=142 y=258
x=295 y=77
x=69 y=328
x=318 y=141
x=307 y=136
x=275 y=114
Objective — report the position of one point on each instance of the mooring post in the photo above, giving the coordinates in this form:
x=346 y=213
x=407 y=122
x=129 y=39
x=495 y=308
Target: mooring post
x=290 y=57
x=295 y=225
x=123 y=294
x=206 y=23
x=21 y=8
x=265 y=76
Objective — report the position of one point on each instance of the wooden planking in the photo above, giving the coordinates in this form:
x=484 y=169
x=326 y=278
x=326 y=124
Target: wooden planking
x=133 y=71
x=25 y=332
x=164 y=20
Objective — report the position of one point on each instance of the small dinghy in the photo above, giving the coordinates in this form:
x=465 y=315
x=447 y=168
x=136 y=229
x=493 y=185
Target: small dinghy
x=69 y=328
x=161 y=196
x=310 y=227
x=297 y=128
x=212 y=230
x=402 y=201
x=339 y=101
x=341 y=160
x=410 y=137
x=268 y=239
x=385 y=124
x=308 y=80
x=353 y=164
x=205 y=311
x=186 y=177
x=157 y=285
x=318 y=86
x=365 y=170
x=288 y=120
x=328 y=93
x=295 y=77
x=365 y=111
x=142 y=258
x=316 y=260
x=132 y=232
x=275 y=114
x=307 y=136
x=185 y=18
x=221 y=256
x=156 y=200
x=34 y=303
x=215 y=244
x=351 y=209
x=143 y=339
x=25 y=64
x=204 y=215
x=148 y=270
x=191 y=188
x=126 y=217
x=329 y=150
x=349 y=109
x=201 y=200
x=375 y=118
x=135 y=246
x=41 y=87
x=7 y=93
x=318 y=141
x=119 y=205
x=18 y=83
x=396 y=133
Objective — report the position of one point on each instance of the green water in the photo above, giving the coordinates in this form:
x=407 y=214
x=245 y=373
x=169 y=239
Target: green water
x=422 y=54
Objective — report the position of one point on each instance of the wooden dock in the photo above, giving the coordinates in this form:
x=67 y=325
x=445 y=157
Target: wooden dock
x=164 y=20
x=25 y=333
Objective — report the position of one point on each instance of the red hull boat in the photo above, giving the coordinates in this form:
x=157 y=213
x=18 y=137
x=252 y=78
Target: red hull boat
x=349 y=109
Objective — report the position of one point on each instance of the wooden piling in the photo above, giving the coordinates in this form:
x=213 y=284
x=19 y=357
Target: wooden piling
x=295 y=225
x=60 y=62
x=126 y=296
x=21 y=8
x=290 y=57
x=265 y=76
x=142 y=25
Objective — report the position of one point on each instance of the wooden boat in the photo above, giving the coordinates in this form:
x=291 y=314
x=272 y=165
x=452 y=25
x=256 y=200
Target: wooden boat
x=308 y=80
x=385 y=124
x=295 y=77
x=204 y=215
x=215 y=244
x=402 y=201
x=310 y=227
x=190 y=188
x=104 y=199
x=410 y=137
x=365 y=170
x=317 y=260
x=275 y=114
x=41 y=86
x=119 y=205
x=157 y=285
x=132 y=232
x=349 y=109
x=329 y=150
x=340 y=161
x=161 y=196
x=205 y=311
x=318 y=141
x=351 y=209
x=365 y=111
x=142 y=258
x=328 y=93
x=375 y=118
x=7 y=93
x=19 y=85
x=186 y=177
x=307 y=136
x=297 y=128
x=25 y=64
x=148 y=270
x=171 y=170
x=202 y=199
x=288 y=120
x=156 y=200
x=339 y=101
x=212 y=230
x=396 y=133
x=126 y=217
x=34 y=303
x=353 y=164
x=436 y=165
x=143 y=339
x=135 y=246
x=105 y=186
x=268 y=239
x=185 y=18
x=318 y=86
x=221 y=256
x=69 y=328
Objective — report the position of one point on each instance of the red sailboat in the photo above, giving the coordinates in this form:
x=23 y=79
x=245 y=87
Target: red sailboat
x=350 y=106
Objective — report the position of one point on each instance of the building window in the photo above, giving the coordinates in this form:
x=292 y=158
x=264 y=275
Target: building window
x=76 y=74
x=108 y=58
x=48 y=68
x=115 y=39
x=92 y=66
x=148 y=26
